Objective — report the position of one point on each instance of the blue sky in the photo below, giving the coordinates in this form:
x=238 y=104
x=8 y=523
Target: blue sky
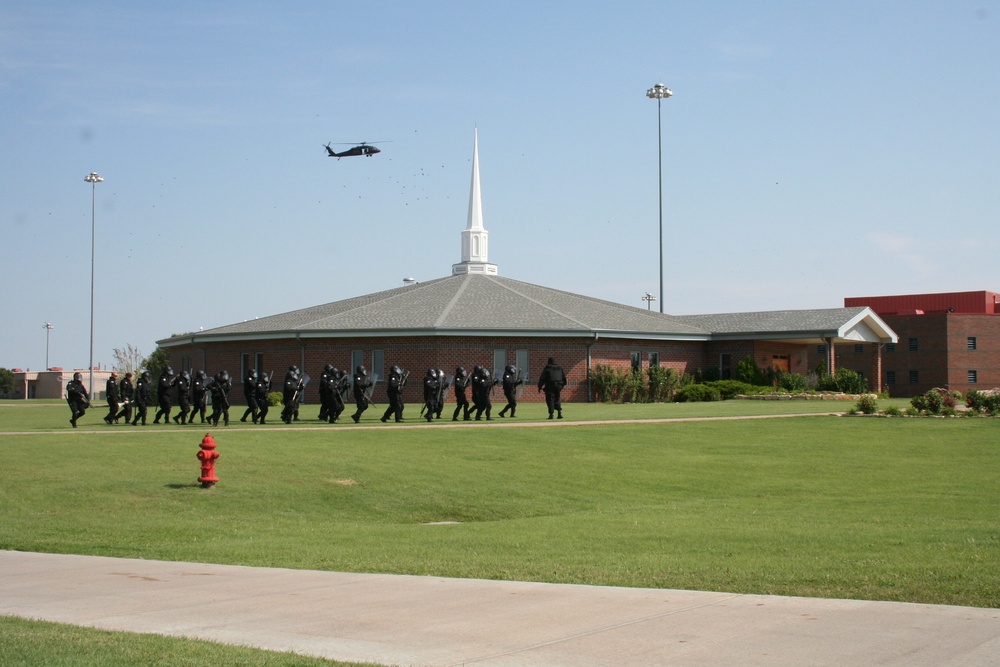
x=812 y=151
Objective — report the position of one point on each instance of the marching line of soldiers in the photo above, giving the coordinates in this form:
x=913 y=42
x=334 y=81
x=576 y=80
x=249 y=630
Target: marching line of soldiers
x=193 y=393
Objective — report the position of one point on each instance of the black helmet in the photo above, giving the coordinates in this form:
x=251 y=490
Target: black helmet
x=509 y=368
x=184 y=374
x=477 y=369
x=223 y=375
x=431 y=373
x=334 y=371
x=168 y=370
x=77 y=376
x=252 y=373
x=460 y=372
x=486 y=372
x=328 y=368
x=145 y=374
x=360 y=370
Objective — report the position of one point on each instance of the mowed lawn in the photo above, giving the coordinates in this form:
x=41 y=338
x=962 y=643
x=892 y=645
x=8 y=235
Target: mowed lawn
x=888 y=509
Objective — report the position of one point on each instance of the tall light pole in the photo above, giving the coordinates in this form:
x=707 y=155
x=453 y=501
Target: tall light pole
x=48 y=328
x=648 y=298
x=660 y=92
x=93 y=178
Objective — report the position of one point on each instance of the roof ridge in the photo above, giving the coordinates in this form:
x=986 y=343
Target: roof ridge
x=536 y=301
x=458 y=293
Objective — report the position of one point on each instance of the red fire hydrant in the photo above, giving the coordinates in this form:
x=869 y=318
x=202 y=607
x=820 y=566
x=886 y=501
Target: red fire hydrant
x=207 y=456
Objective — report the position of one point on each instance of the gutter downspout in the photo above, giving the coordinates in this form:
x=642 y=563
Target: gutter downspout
x=590 y=390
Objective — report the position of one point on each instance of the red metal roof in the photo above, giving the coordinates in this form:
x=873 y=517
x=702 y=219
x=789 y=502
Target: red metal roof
x=957 y=302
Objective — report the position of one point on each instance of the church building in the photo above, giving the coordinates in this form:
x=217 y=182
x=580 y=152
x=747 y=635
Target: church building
x=477 y=317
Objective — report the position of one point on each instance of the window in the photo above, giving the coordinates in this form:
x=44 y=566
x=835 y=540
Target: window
x=378 y=363
x=970 y=343
x=890 y=347
x=521 y=359
x=913 y=345
x=654 y=359
x=890 y=377
x=859 y=347
x=973 y=377
x=914 y=377
x=357 y=359
x=725 y=366
x=636 y=361
x=821 y=349
x=499 y=361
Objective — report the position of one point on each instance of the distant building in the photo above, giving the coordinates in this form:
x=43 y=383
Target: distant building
x=475 y=317
x=949 y=340
x=52 y=383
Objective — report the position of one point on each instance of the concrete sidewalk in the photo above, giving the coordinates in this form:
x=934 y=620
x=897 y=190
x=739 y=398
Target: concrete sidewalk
x=404 y=620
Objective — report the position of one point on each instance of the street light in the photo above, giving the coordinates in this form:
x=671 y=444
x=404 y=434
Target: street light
x=93 y=178
x=48 y=327
x=660 y=92
x=647 y=298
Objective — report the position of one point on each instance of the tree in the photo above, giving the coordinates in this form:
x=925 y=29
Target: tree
x=6 y=382
x=128 y=359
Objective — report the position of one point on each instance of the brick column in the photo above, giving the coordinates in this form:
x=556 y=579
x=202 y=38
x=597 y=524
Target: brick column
x=877 y=369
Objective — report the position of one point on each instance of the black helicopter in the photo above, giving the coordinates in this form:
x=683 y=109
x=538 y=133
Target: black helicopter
x=362 y=149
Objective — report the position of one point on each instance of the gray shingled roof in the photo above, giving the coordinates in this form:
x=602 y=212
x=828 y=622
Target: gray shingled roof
x=487 y=305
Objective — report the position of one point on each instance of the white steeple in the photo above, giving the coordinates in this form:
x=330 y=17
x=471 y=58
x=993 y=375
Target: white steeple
x=475 y=238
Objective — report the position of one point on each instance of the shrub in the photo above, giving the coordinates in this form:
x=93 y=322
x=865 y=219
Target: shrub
x=603 y=382
x=866 y=405
x=634 y=387
x=791 y=382
x=748 y=371
x=663 y=382
x=919 y=403
x=893 y=411
x=697 y=392
x=730 y=388
x=274 y=399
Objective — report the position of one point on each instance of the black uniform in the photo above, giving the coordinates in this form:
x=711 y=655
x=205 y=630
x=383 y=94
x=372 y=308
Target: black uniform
x=261 y=390
x=443 y=384
x=77 y=397
x=183 y=397
x=163 y=387
x=462 y=381
x=482 y=384
x=114 y=400
x=199 y=396
x=126 y=391
x=143 y=397
x=361 y=384
x=219 y=387
x=290 y=394
x=511 y=379
x=326 y=391
x=551 y=382
x=394 y=389
x=432 y=387
x=250 y=394
x=341 y=384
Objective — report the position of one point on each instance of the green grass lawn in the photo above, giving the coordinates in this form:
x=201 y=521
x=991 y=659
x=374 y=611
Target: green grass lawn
x=889 y=509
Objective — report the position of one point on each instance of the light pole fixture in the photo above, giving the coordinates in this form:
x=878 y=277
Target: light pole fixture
x=647 y=298
x=660 y=92
x=48 y=328
x=93 y=178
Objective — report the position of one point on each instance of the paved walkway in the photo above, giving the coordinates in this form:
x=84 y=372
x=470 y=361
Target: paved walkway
x=404 y=620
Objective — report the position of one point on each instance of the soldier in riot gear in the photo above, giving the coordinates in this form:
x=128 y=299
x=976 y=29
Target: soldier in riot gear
x=143 y=397
x=462 y=381
x=510 y=381
x=482 y=387
x=361 y=384
x=163 y=387
x=199 y=396
x=250 y=394
x=431 y=388
x=339 y=391
x=394 y=389
x=114 y=400
x=183 y=397
x=77 y=397
x=326 y=384
x=219 y=387
x=126 y=391
x=261 y=389
x=443 y=384
x=552 y=380
x=289 y=394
